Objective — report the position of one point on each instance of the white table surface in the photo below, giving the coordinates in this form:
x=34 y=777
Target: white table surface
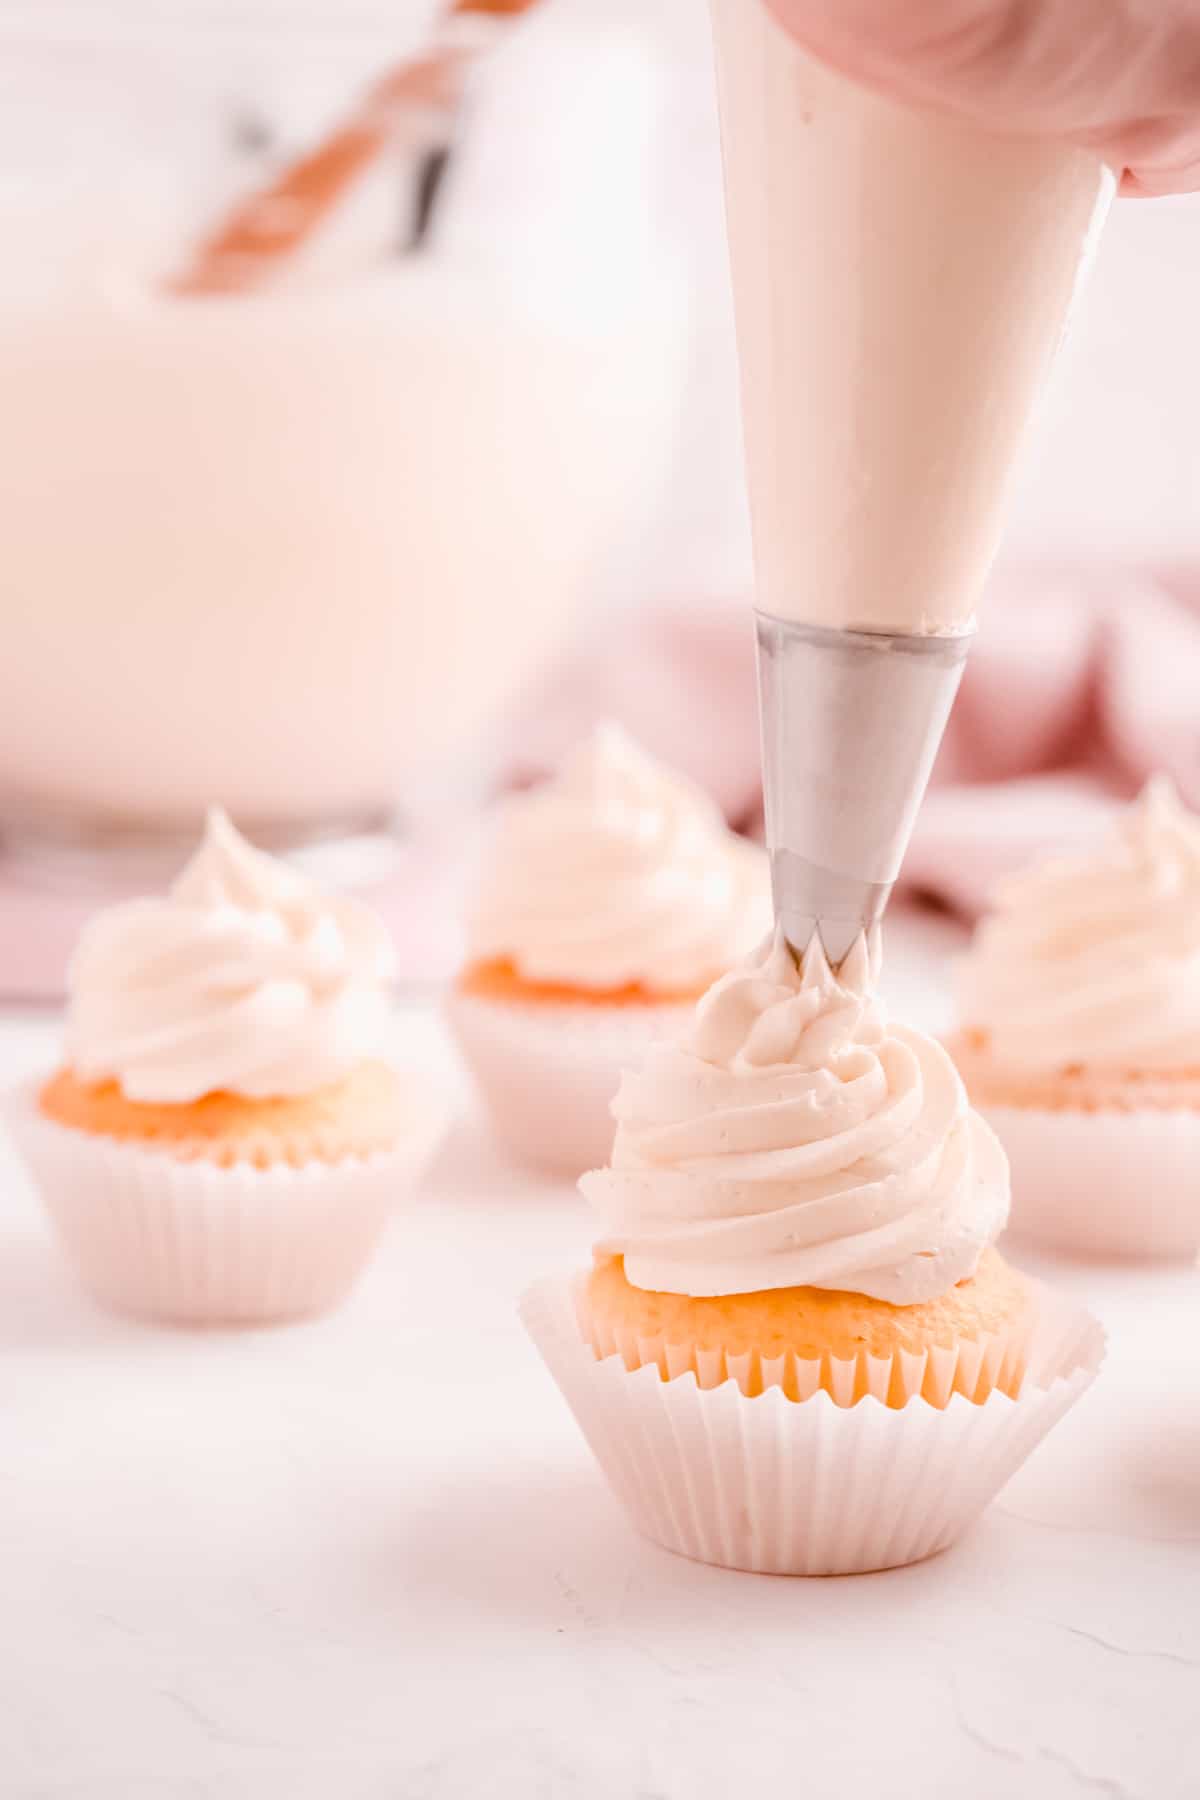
x=371 y=1559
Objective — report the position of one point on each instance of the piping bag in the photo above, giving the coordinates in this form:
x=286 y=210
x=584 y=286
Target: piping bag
x=902 y=282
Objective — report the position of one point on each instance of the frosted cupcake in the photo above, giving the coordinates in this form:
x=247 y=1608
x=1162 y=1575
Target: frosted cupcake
x=609 y=899
x=798 y=1350
x=1080 y=1038
x=222 y=1143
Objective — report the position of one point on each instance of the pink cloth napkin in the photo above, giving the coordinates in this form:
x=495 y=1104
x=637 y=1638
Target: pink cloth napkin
x=1079 y=686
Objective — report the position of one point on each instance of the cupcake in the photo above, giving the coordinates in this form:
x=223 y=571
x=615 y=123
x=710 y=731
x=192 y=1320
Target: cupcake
x=798 y=1350
x=1080 y=1037
x=608 y=901
x=222 y=1143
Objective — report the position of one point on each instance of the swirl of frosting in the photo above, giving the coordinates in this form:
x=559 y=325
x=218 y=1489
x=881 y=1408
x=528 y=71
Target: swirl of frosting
x=618 y=872
x=244 y=979
x=797 y=1139
x=1093 y=959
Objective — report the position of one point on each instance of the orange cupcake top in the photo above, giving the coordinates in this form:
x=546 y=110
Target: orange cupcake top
x=812 y=1322
x=500 y=979
x=365 y=1112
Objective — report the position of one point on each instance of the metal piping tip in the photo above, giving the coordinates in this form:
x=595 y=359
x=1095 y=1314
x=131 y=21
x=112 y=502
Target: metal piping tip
x=856 y=967
x=851 y=722
x=834 y=939
x=814 y=902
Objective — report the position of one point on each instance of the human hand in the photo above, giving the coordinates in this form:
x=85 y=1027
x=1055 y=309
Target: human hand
x=1121 y=77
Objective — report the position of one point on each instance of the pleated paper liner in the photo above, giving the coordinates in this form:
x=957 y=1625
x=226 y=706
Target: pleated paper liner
x=1116 y=1184
x=194 y=1243
x=814 y=1485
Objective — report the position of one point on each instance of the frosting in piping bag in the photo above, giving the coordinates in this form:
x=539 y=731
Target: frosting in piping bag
x=796 y=1138
x=245 y=979
x=1094 y=959
x=618 y=871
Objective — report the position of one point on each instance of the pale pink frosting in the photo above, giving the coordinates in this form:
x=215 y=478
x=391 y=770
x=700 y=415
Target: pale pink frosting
x=618 y=871
x=245 y=979
x=1094 y=958
x=796 y=1138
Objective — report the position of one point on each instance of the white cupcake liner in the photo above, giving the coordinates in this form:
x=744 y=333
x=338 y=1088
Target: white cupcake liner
x=805 y=1487
x=1105 y=1183
x=194 y=1243
x=548 y=1072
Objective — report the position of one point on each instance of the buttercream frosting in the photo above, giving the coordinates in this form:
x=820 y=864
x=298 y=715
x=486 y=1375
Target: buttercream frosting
x=246 y=978
x=1093 y=959
x=797 y=1138
x=616 y=872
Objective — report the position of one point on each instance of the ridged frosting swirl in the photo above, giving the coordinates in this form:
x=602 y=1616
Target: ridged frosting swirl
x=618 y=872
x=246 y=978
x=1093 y=959
x=796 y=1138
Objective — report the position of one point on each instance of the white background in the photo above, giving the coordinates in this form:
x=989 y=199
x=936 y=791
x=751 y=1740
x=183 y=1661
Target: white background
x=371 y=1558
